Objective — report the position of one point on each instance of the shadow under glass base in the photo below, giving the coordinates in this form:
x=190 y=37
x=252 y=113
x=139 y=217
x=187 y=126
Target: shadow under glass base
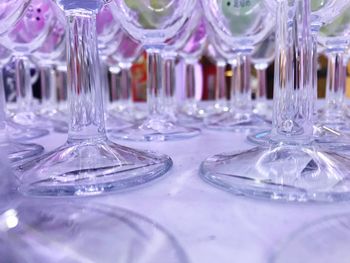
x=90 y=167
x=19 y=152
x=326 y=240
x=282 y=172
x=155 y=130
x=233 y=121
x=62 y=231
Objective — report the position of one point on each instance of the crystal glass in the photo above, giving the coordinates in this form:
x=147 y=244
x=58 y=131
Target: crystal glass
x=17 y=152
x=50 y=55
x=88 y=163
x=262 y=57
x=126 y=53
x=335 y=39
x=221 y=94
x=292 y=167
x=154 y=24
x=191 y=52
x=318 y=19
x=25 y=36
x=55 y=230
x=109 y=36
x=240 y=26
x=14 y=16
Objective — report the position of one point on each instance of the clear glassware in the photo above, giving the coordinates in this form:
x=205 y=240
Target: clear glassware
x=292 y=167
x=109 y=33
x=88 y=163
x=237 y=30
x=323 y=133
x=50 y=55
x=324 y=240
x=15 y=132
x=191 y=52
x=262 y=57
x=154 y=24
x=56 y=230
x=220 y=99
x=126 y=53
x=25 y=36
x=16 y=152
x=240 y=115
x=335 y=39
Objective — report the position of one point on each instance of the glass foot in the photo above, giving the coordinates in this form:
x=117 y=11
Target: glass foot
x=283 y=172
x=129 y=113
x=326 y=240
x=18 y=152
x=322 y=135
x=235 y=121
x=90 y=167
x=17 y=132
x=33 y=120
x=61 y=231
x=264 y=110
x=155 y=130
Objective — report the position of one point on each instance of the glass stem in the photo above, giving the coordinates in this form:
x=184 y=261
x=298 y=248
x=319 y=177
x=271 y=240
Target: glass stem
x=126 y=84
x=242 y=91
x=155 y=89
x=336 y=77
x=169 y=78
x=262 y=80
x=220 y=83
x=314 y=68
x=48 y=87
x=105 y=83
x=293 y=88
x=61 y=82
x=23 y=83
x=84 y=83
x=190 y=76
x=115 y=80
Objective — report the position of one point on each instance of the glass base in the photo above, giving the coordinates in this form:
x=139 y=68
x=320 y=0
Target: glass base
x=19 y=152
x=234 y=121
x=322 y=135
x=155 y=130
x=60 y=231
x=115 y=121
x=194 y=110
x=128 y=113
x=283 y=172
x=17 y=132
x=33 y=120
x=263 y=109
x=90 y=167
x=326 y=240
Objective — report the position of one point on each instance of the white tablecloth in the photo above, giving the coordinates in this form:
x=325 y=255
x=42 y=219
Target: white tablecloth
x=210 y=224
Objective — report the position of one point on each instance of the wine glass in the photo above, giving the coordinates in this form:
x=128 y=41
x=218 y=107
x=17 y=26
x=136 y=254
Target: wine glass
x=16 y=151
x=262 y=57
x=334 y=37
x=49 y=56
x=154 y=24
x=25 y=36
x=220 y=102
x=88 y=163
x=292 y=167
x=126 y=52
x=190 y=54
x=240 y=32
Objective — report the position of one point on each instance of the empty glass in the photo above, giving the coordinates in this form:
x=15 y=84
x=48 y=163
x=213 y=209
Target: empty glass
x=291 y=168
x=88 y=163
x=154 y=24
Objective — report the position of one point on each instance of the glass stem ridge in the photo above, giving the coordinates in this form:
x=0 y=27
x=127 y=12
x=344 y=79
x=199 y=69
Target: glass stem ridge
x=84 y=83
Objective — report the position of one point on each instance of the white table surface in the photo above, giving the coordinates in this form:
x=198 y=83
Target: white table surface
x=210 y=224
